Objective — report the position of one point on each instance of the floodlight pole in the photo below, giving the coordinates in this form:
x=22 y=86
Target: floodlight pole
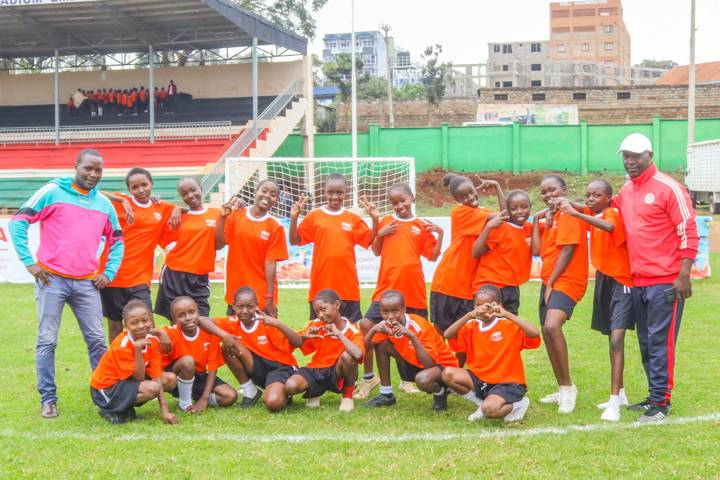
x=353 y=96
x=254 y=88
x=151 y=91
x=691 y=77
x=56 y=85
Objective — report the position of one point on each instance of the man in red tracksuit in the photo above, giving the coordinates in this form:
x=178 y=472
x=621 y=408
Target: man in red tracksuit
x=662 y=241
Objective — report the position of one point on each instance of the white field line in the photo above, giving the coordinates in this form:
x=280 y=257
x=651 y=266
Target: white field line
x=168 y=434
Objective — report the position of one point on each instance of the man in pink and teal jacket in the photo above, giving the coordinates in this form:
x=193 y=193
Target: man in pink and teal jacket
x=75 y=221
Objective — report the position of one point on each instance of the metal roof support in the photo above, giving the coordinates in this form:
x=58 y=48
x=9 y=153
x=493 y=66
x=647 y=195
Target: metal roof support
x=151 y=91
x=56 y=82
x=254 y=87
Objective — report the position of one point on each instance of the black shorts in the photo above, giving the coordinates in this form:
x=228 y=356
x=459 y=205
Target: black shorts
x=266 y=372
x=558 y=301
x=373 y=313
x=119 y=398
x=510 y=392
x=199 y=386
x=510 y=298
x=320 y=380
x=349 y=309
x=114 y=299
x=177 y=284
x=446 y=310
x=612 y=305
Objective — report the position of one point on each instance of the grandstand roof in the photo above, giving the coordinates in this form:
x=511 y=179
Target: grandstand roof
x=82 y=27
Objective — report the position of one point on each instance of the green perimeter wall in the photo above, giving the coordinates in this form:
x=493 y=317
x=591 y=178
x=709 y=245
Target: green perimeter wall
x=513 y=148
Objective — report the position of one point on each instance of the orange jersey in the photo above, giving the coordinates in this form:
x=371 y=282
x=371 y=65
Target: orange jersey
x=400 y=266
x=428 y=337
x=204 y=348
x=508 y=260
x=141 y=238
x=455 y=273
x=267 y=342
x=608 y=251
x=566 y=230
x=251 y=241
x=327 y=350
x=335 y=235
x=493 y=351
x=118 y=363
x=194 y=250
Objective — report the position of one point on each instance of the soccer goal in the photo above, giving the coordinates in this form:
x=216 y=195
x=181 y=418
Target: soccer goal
x=369 y=177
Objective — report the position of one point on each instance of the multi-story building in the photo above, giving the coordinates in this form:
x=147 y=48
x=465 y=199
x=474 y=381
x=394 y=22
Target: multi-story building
x=517 y=64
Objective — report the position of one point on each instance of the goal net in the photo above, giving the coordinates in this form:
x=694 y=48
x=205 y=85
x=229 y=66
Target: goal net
x=368 y=177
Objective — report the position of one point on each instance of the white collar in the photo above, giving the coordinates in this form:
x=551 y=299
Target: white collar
x=141 y=205
x=489 y=327
x=252 y=329
x=404 y=219
x=193 y=338
x=410 y=323
x=519 y=227
x=253 y=218
x=197 y=212
x=331 y=212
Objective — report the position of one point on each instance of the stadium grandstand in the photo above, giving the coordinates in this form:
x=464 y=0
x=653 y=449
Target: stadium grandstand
x=240 y=85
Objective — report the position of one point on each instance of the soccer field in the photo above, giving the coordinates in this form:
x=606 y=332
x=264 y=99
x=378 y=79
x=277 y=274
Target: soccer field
x=404 y=441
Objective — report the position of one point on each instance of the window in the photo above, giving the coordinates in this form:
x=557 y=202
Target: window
x=505 y=68
x=585 y=47
x=536 y=83
x=609 y=45
x=507 y=48
x=623 y=95
x=501 y=96
x=535 y=67
x=584 y=28
x=331 y=44
x=496 y=48
x=561 y=13
x=507 y=84
x=579 y=96
x=561 y=48
x=535 y=47
x=345 y=43
x=607 y=11
x=584 y=12
x=538 y=97
x=561 y=30
x=608 y=28
x=497 y=84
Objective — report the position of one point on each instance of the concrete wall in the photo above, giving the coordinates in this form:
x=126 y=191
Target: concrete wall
x=214 y=81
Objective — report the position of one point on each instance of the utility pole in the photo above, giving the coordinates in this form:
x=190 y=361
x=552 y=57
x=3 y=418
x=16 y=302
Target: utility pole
x=386 y=28
x=691 y=77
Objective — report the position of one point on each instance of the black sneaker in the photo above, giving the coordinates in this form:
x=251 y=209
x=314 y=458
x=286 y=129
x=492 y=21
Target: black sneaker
x=248 y=402
x=113 y=418
x=654 y=414
x=640 y=406
x=382 y=401
x=440 y=402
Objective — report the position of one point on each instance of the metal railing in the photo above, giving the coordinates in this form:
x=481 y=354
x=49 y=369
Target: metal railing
x=117 y=133
x=252 y=132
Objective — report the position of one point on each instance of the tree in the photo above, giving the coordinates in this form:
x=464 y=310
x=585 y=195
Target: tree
x=372 y=89
x=338 y=73
x=410 y=91
x=434 y=76
x=652 y=63
x=295 y=15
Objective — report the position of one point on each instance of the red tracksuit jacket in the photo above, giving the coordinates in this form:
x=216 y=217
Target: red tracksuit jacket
x=660 y=226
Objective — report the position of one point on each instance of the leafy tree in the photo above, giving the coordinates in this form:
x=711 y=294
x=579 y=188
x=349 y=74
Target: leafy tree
x=652 y=63
x=411 y=91
x=434 y=75
x=339 y=72
x=372 y=89
x=295 y=15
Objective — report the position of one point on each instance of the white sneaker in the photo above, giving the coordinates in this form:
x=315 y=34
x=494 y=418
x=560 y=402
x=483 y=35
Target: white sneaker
x=366 y=388
x=566 y=399
x=611 y=413
x=313 y=402
x=346 y=405
x=552 y=398
x=623 y=400
x=518 y=411
x=408 y=387
x=476 y=415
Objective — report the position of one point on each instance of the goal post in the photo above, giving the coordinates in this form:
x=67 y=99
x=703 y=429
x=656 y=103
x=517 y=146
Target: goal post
x=366 y=177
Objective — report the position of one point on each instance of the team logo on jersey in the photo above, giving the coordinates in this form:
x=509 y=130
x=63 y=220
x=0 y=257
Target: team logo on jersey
x=265 y=235
x=262 y=340
x=157 y=216
x=206 y=345
x=649 y=198
x=346 y=226
x=415 y=230
x=496 y=337
x=210 y=222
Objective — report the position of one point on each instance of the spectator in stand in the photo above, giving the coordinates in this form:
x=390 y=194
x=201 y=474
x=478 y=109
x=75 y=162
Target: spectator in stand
x=163 y=97
x=143 y=100
x=134 y=101
x=71 y=107
x=172 y=93
x=78 y=99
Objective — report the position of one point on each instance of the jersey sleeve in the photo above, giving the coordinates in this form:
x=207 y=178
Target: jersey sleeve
x=357 y=338
x=230 y=221
x=362 y=234
x=469 y=221
x=306 y=229
x=460 y=343
x=309 y=345
x=277 y=246
x=222 y=323
x=427 y=242
x=168 y=236
x=530 y=343
x=215 y=358
x=570 y=230
x=166 y=210
x=153 y=368
x=681 y=213
x=612 y=216
x=279 y=340
x=379 y=338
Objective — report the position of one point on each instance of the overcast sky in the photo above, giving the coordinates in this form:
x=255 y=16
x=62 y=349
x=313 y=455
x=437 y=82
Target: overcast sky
x=659 y=29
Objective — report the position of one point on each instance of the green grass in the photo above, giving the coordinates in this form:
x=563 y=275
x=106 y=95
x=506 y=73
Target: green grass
x=221 y=443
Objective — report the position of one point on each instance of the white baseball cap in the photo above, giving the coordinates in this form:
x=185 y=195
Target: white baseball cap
x=636 y=143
